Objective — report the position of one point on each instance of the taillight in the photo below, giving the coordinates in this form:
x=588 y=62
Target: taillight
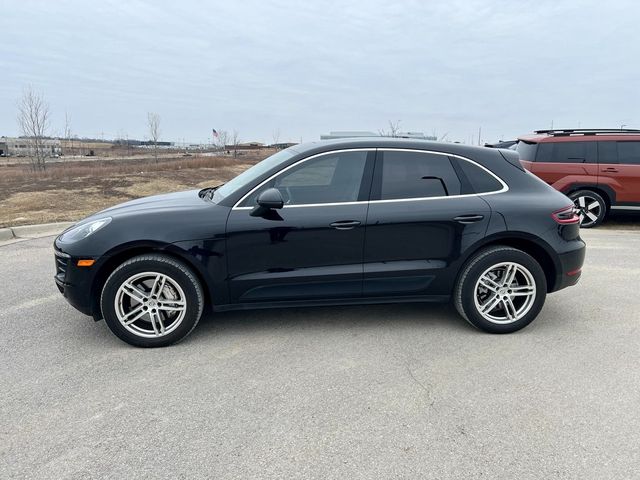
x=566 y=215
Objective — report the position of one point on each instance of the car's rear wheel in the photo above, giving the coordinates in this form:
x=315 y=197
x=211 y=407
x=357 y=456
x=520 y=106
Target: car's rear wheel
x=592 y=207
x=500 y=290
x=152 y=301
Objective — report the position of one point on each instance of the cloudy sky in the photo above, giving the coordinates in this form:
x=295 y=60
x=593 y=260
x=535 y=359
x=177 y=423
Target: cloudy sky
x=305 y=68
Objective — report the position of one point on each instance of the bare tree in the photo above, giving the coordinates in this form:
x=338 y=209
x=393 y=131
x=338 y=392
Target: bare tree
x=275 y=137
x=394 y=129
x=235 y=141
x=68 y=135
x=222 y=140
x=153 y=120
x=33 y=118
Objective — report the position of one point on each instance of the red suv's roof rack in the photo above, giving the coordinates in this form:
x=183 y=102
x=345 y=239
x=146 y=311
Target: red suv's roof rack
x=586 y=131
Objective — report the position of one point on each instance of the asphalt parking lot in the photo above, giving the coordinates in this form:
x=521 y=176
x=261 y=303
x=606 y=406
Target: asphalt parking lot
x=397 y=391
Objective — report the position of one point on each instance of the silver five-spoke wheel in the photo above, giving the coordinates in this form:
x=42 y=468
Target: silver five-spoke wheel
x=505 y=292
x=150 y=304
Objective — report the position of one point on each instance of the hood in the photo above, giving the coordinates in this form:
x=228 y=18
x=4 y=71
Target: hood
x=158 y=220
x=170 y=201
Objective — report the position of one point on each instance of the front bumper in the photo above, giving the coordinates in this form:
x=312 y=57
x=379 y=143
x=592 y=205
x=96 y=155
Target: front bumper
x=74 y=282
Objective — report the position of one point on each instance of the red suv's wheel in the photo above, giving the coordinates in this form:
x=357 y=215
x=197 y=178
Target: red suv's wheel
x=592 y=207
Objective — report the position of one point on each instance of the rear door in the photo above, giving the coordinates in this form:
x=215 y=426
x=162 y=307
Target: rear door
x=619 y=169
x=419 y=220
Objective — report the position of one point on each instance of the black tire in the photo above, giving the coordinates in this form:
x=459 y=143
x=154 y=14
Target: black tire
x=584 y=201
x=464 y=298
x=175 y=271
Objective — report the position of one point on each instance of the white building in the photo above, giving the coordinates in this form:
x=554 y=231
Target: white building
x=22 y=147
x=361 y=134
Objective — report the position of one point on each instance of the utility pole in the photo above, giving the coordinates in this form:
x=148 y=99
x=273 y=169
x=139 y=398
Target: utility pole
x=479 y=134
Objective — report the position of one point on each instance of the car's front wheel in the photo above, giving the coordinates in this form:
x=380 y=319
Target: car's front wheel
x=152 y=301
x=500 y=290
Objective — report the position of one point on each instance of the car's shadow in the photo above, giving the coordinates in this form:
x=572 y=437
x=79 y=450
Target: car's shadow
x=406 y=315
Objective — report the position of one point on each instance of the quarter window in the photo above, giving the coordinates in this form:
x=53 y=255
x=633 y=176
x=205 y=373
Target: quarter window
x=478 y=179
x=527 y=151
x=415 y=175
x=332 y=178
x=629 y=153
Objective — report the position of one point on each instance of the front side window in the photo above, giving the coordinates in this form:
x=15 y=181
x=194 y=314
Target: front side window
x=567 y=152
x=331 y=178
x=415 y=175
x=629 y=153
x=249 y=175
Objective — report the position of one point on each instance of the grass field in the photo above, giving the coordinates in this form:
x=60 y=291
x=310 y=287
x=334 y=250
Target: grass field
x=73 y=189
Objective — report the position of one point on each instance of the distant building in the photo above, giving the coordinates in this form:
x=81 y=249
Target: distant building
x=247 y=145
x=347 y=134
x=282 y=145
x=361 y=134
x=23 y=147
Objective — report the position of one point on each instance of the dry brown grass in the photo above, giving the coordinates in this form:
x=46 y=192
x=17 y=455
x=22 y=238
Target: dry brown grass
x=70 y=191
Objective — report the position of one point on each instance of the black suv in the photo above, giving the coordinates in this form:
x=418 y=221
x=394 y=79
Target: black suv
x=338 y=222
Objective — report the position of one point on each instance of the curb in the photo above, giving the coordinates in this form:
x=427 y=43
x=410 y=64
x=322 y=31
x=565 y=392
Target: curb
x=6 y=234
x=33 y=231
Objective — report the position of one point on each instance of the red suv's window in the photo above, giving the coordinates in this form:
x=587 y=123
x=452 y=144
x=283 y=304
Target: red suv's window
x=527 y=151
x=607 y=152
x=619 y=152
x=629 y=153
x=567 y=152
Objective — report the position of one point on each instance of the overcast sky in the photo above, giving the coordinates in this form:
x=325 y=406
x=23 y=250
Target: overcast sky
x=307 y=67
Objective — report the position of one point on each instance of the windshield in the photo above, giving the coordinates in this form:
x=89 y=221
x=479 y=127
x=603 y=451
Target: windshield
x=246 y=177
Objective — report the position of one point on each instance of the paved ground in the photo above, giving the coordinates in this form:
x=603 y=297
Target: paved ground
x=406 y=391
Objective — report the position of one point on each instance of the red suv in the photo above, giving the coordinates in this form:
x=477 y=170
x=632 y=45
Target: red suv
x=598 y=169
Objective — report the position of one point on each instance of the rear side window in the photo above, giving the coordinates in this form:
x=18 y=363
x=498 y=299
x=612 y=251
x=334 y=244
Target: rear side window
x=402 y=175
x=567 y=152
x=629 y=153
x=474 y=178
x=527 y=151
x=607 y=152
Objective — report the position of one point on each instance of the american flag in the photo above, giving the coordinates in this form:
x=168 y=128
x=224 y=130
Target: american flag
x=215 y=134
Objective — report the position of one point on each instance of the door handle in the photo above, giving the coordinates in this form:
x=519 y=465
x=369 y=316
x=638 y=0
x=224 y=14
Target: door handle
x=345 y=224
x=466 y=219
x=610 y=170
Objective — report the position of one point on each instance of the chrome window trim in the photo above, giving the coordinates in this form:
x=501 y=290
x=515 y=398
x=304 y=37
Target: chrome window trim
x=504 y=188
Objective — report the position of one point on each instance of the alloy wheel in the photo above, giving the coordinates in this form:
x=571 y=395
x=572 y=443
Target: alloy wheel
x=150 y=304
x=590 y=209
x=505 y=293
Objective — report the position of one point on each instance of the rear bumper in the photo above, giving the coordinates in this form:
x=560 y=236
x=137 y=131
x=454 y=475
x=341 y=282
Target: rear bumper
x=570 y=267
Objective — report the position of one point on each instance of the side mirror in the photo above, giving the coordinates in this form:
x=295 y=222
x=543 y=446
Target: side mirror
x=271 y=198
x=268 y=200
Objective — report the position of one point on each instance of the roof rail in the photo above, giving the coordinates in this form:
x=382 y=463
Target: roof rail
x=586 y=131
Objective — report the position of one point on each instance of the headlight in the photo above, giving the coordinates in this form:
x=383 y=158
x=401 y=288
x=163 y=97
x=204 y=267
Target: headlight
x=83 y=231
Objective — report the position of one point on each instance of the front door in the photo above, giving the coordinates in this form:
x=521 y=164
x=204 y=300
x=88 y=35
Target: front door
x=311 y=248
